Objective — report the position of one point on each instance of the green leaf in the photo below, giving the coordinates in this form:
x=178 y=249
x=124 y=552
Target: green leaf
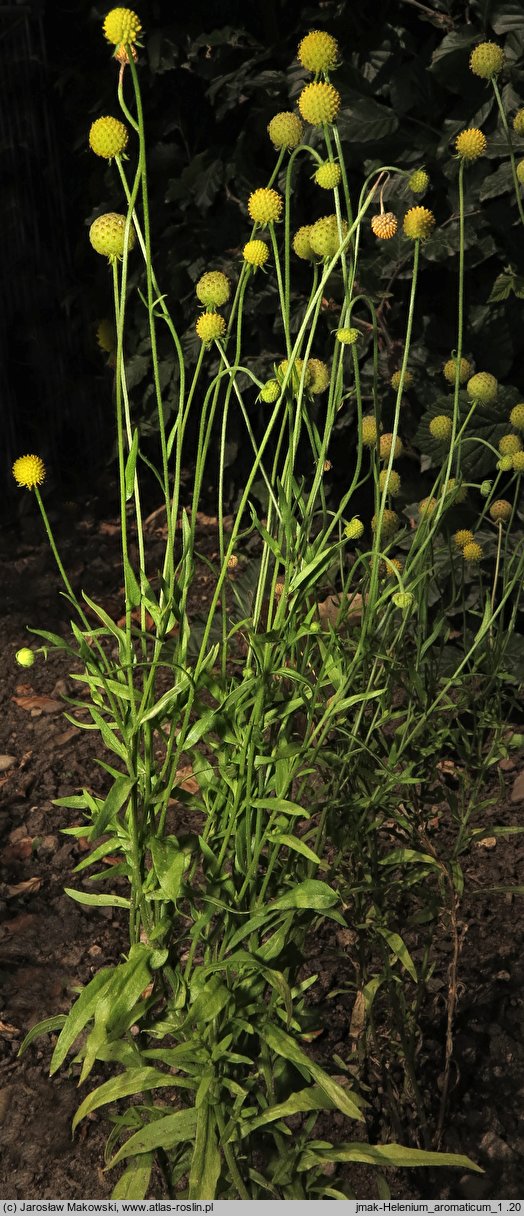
x=297 y=846
x=385 y=1155
x=113 y=802
x=129 y=472
x=162 y=1133
x=311 y=1098
x=497 y=183
x=399 y=949
x=133 y=594
x=45 y=1027
x=82 y=1011
x=134 y=1183
x=206 y=1161
x=169 y=863
x=208 y=1002
x=133 y=1081
x=311 y=893
x=97 y=901
x=282 y=1043
x=400 y=856
x=281 y=804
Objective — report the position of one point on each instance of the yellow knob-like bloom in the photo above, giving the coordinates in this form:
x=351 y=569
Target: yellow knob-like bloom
x=255 y=253
x=107 y=235
x=517 y=462
x=517 y=416
x=369 y=430
x=482 y=387
x=520 y=172
x=25 y=657
x=386 y=445
x=285 y=130
x=518 y=122
x=265 y=206
x=419 y=181
x=354 y=529
x=427 y=506
x=213 y=289
x=270 y=392
x=108 y=137
x=384 y=226
x=441 y=427
x=390 y=524
x=395 y=380
x=471 y=144
x=122 y=26
x=328 y=175
x=348 y=336
x=319 y=373
x=454 y=487
x=472 y=552
x=418 y=223
x=318 y=52
x=486 y=60
x=500 y=510
x=324 y=236
x=509 y=445
x=319 y=103
x=210 y=326
x=464 y=536
x=389 y=481
x=29 y=471
x=450 y=368
x=302 y=243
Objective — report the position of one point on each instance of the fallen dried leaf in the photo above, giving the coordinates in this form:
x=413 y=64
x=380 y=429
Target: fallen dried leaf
x=487 y=842
x=38 y=705
x=517 y=789
x=65 y=736
x=7 y=1030
x=29 y=887
x=186 y=781
x=6 y=762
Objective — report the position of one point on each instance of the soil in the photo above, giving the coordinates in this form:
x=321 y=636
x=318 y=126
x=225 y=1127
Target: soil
x=50 y=945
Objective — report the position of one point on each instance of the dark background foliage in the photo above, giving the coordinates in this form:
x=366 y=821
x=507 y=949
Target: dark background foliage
x=213 y=74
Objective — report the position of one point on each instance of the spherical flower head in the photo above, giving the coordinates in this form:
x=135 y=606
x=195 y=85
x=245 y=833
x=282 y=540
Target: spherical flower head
x=285 y=130
x=464 y=536
x=387 y=568
x=318 y=52
x=328 y=175
x=25 y=657
x=486 y=60
x=395 y=380
x=354 y=529
x=450 y=370
x=518 y=122
x=302 y=243
x=517 y=416
x=320 y=377
x=509 y=444
x=107 y=137
x=265 y=206
x=419 y=181
x=471 y=144
x=213 y=289
x=210 y=326
x=255 y=253
x=296 y=373
x=455 y=488
x=386 y=445
x=472 y=552
x=122 y=56
x=106 y=336
x=270 y=392
x=501 y=510
x=482 y=387
x=384 y=226
x=29 y=471
x=122 y=26
x=107 y=235
x=327 y=466
x=403 y=600
x=390 y=524
x=389 y=481
x=506 y=463
x=441 y=427
x=319 y=103
x=232 y=561
x=279 y=590
x=520 y=172
x=517 y=462
x=348 y=336
x=418 y=223
x=485 y=489
x=324 y=236
x=426 y=507
x=369 y=430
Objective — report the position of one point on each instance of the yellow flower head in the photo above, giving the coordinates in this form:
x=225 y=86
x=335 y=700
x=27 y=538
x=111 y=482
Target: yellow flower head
x=389 y=481
x=354 y=529
x=328 y=175
x=520 y=172
x=210 y=326
x=319 y=373
x=517 y=462
x=25 y=657
x=471 y=144
x=319 y=103
x=426 y=507
x=318 y=52
x=108 y=137
x=441 y=427
x=518 y=122
x=517 y=416
x=418 y=223
x=395 y=380
x=270 y=392
x=450 y=369
x=348 y=336
x=302 y=243
x=419 y=181
x=464 y=536
x=384 y=226
x=472 y=552
x=500 y=510
x=29 y=471
x=386 y=444
x=324 y=236
x=107 y=235
x=482 y=387
x=255 y=253
x=390 y=524
x=454 y=487
x=265 y=206
x=486 y=60
x=509 y=444
x=285 y=130
x=213 y=289
x=122 y=26
x=369 y=430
